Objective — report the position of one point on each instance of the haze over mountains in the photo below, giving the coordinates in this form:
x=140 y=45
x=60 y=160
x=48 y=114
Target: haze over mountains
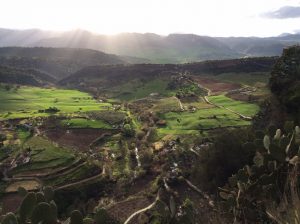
x=153 y=48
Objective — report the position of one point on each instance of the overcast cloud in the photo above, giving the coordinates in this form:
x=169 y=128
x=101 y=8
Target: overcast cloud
x=203 y=17
x=286 y=12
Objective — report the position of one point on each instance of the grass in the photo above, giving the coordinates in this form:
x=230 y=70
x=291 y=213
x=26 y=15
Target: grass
x=198 y=104
x=203 y=119
x=250 y=79
x=85 y=123
x=44 y=155
x=82 y=172
x=27 y=101
x=23 y=134
x=166 y=105
x=244 y=108
x=137 y=90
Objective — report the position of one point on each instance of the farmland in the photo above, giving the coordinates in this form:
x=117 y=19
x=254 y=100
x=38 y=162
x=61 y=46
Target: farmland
x=203 y=119
x=247 y=109
x=85 y=123
x=33 y=101
x=70 y=139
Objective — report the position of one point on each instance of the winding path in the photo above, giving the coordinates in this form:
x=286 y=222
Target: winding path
x=142 y=210
x=79 y=182
x=180 y=104
x=247 y=118
x=204 y=195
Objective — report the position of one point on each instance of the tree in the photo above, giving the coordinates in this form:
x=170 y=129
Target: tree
x=128 y=130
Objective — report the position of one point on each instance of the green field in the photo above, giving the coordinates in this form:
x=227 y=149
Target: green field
x=85 y=123
x=27 y=101
x=250 y=79
x=243 y=108
x=136 y=90
x=207 y=118
x=166 y=105
x=45 y=155
x=202 y=119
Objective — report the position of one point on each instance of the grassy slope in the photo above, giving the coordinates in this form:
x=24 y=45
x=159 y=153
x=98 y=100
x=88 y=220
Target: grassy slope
x=202 y=119
x=85 y=123
x=137 y=90
x=45 y=155
x=246 y=109
x=244 y=78
x=26 y=101
x=208 y=117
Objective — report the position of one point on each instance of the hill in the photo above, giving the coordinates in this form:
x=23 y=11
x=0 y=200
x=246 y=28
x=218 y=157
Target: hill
x=20 y=76
x=174 y=48
x=56 y=62
x=106 y=76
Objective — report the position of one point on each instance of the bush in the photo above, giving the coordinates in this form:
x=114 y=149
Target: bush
x=216 y=163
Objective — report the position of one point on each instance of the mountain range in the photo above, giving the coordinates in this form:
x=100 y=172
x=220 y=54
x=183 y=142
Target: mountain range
x=153 y=48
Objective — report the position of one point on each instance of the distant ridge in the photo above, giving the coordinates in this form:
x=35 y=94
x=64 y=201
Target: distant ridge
x=55 y=62
x=153 y=48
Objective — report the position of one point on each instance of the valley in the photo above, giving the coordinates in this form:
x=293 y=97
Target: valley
x=146 y=143
x=84 y=138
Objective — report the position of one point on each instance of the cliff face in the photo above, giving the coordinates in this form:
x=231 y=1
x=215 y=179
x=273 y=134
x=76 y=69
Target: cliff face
x=285 y=80
x=284 y=103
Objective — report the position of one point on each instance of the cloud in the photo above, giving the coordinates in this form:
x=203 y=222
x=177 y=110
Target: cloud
x=286 y=12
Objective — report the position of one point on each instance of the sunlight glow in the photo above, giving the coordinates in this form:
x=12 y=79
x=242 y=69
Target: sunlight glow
x=205 y=17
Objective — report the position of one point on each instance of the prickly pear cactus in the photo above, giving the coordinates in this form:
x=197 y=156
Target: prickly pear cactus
x=254 y=185
x=49 y=193
x=27 y=206
x=40 y=197
x=54 y=212
x=42 y=214
x=22 y=191
x=76 y=217
x=10 y=218
x=88 y=221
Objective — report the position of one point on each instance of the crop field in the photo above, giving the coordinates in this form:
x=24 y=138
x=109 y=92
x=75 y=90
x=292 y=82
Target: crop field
x=166 y=105
x=207 y=117
x=85 y=123
x=250 y=79
x=77 y=139
x=29 y=101
x=215 y=85
x=202 y=119
x=137 y=90
x=45 y=155
x=247 y=109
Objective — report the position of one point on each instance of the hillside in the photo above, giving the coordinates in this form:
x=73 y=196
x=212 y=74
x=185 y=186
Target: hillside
x=13 y=75
x=56 y=62
x=174 y=48
x=140 y=146
x=106 y=76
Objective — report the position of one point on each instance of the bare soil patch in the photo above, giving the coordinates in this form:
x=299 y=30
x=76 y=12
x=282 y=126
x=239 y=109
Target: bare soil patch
x=216 y=86
x=27 y=184
x=78 y=139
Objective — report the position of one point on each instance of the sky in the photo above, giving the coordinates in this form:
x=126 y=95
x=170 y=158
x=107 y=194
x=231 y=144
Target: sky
x=203 y=17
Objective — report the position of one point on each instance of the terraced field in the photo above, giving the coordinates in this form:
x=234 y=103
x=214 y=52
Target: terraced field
x=44 y=155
